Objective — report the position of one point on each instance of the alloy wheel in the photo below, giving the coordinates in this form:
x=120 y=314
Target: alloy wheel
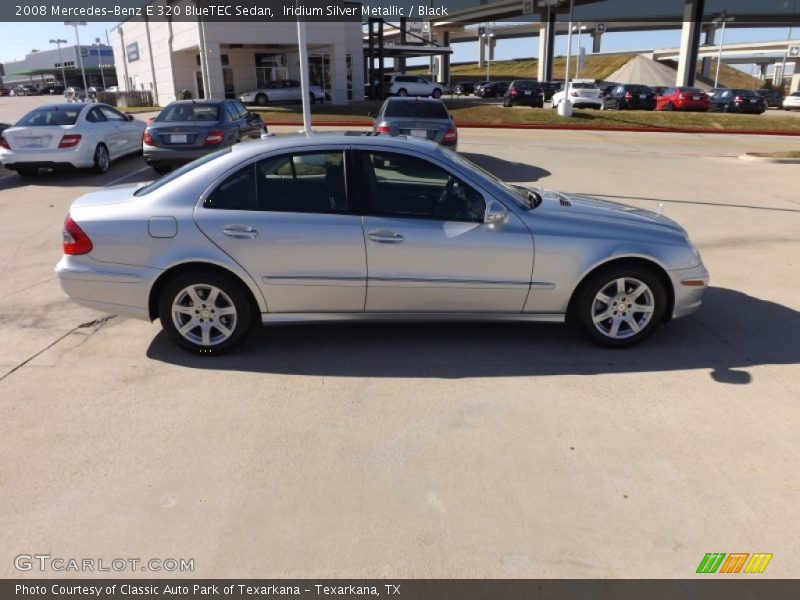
x=204 y=314
x=622 y=308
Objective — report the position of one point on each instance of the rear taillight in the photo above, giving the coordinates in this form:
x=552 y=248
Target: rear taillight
x=451 y=135
x=147 y=139
x=214 y=137
x=70 y=140
x=574 y=94
x=628 y=95
x=681 y=97
x=513 y=92
x=738 y=100
x=75 y=240
x=4 y=143
x=383 y=129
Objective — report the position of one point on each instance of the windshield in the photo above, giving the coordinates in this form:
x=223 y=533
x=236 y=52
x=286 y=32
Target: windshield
x=416 y=110
x=51 y=116
x=189 y=112
x=173 y=175
x=517 y=193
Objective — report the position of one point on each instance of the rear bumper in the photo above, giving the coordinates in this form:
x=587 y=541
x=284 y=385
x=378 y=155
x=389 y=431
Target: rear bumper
x=686 y=283
x=117 y=289
x=156 y=156
x=536 y=103
x=80 y=158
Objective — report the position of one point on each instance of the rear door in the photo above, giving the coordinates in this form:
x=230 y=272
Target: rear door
x=125 y=135
x=288 y=220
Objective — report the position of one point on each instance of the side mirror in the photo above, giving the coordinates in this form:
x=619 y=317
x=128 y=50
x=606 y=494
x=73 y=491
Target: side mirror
x=495 y=213
x=129 y=116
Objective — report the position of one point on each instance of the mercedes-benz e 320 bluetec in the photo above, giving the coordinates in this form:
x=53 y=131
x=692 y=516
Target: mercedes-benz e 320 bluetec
x=341 y=226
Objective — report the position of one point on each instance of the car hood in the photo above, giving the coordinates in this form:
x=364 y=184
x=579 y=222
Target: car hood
x=576 y=206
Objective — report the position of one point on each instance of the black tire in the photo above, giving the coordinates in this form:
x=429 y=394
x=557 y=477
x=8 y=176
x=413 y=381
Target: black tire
x=670 y=106
x=437 y=93
x=261 y=99
x=726 y=108
x=161 y=169
x=102 y=160
x=507 y=103
x=585 y=305
x=402 y=92
x=28 y=171
x=232 y=295
x=311 y=97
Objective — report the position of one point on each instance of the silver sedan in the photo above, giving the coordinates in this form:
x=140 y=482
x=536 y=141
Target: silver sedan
x=364 y=227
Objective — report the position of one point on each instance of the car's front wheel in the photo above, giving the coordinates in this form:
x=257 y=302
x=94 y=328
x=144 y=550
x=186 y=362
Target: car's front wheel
x=205 y=313
x=620 y=306
x=261 y=99
x=437 y=93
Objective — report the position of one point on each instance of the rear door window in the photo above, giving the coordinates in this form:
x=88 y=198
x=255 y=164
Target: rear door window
x=303 y=182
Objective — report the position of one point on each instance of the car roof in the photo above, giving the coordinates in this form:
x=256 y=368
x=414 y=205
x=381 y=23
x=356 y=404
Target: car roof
x=209 y=101
x=66 y=105
x=414 y=100
x=336 y=138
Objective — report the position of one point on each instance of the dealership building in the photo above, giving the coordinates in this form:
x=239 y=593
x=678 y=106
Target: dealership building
x=218 y=59
x=51 y=67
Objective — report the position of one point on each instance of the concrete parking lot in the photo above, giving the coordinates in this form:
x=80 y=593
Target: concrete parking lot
x=423 y=450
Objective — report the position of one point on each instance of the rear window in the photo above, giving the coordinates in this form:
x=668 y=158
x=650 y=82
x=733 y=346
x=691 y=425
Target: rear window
x=639 y=89
x=584 y=86
x=173 y=175
x=692 y=90
x=416 y=110
x=745 y=93
x=189 y=112
x=525 y=85
x=52 y=116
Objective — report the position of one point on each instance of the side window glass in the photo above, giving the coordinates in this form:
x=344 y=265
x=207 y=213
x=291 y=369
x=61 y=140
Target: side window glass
x=112 y=115
x=95 y=116
x=230 y=112
x=407 y=186
x=236 y=192
x=306 y=182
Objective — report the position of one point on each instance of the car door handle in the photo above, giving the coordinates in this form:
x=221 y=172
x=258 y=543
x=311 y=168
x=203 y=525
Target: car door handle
x=385 y=237
x=242 y=232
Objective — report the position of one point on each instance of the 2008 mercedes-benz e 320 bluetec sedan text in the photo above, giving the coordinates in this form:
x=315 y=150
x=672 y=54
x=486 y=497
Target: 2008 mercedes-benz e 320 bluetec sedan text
x=351 y=226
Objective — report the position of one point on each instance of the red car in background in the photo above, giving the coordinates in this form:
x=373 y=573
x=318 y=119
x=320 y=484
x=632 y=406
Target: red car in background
x=4 y=91
x=683 y=98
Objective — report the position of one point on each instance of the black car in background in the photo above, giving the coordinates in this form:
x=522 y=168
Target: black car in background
x=188 y=129
x=549 y=88
x=738 y=100
x=492 y=89
x=464 y=88
x=4 y=126
x=524 y=92
x=630 y=97
x=773 y=97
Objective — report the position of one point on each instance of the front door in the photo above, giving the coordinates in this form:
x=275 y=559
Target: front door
x=287 y=220
x=428 y=248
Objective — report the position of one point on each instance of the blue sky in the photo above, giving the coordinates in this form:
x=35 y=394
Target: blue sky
x=20 y=38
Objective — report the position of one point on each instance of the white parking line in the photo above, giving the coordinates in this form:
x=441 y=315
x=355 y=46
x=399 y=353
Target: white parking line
x=124 y=177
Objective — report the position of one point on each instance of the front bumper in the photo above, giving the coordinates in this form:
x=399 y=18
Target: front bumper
x=118 y=289
x=689 y=285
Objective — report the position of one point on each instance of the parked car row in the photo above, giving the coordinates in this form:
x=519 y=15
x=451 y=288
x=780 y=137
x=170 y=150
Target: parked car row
x=91 y=136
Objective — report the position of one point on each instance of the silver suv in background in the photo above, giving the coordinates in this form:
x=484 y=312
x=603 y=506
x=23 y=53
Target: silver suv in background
x=411 y=85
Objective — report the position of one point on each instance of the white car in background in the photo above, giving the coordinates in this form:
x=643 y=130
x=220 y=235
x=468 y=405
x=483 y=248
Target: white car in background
x=411 y=85
x=582 y=94
x=792 y=101
x=71 y=134
x=281 y=90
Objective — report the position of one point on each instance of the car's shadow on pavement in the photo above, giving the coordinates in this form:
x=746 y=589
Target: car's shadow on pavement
x=733 y=331
x=69 y=177
x=512 y=172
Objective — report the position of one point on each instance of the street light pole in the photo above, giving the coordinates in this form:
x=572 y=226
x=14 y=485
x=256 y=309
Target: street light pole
x=722 y=18
x=97 y=44
x=565 y=108
x=75 y=25
x=58 y=43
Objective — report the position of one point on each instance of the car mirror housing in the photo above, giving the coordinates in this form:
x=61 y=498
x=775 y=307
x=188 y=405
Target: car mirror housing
x=495 y=213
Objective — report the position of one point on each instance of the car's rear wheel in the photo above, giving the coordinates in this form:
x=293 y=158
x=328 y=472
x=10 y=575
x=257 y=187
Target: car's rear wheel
x=261 y=99
x=670 y=106
x=205 y=313
x=28 y=171
x=621 y=305
x=437 y=93
x=102 y=161
x=402 y=92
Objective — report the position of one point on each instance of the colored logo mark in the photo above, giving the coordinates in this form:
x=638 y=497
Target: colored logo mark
x=735 y=562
